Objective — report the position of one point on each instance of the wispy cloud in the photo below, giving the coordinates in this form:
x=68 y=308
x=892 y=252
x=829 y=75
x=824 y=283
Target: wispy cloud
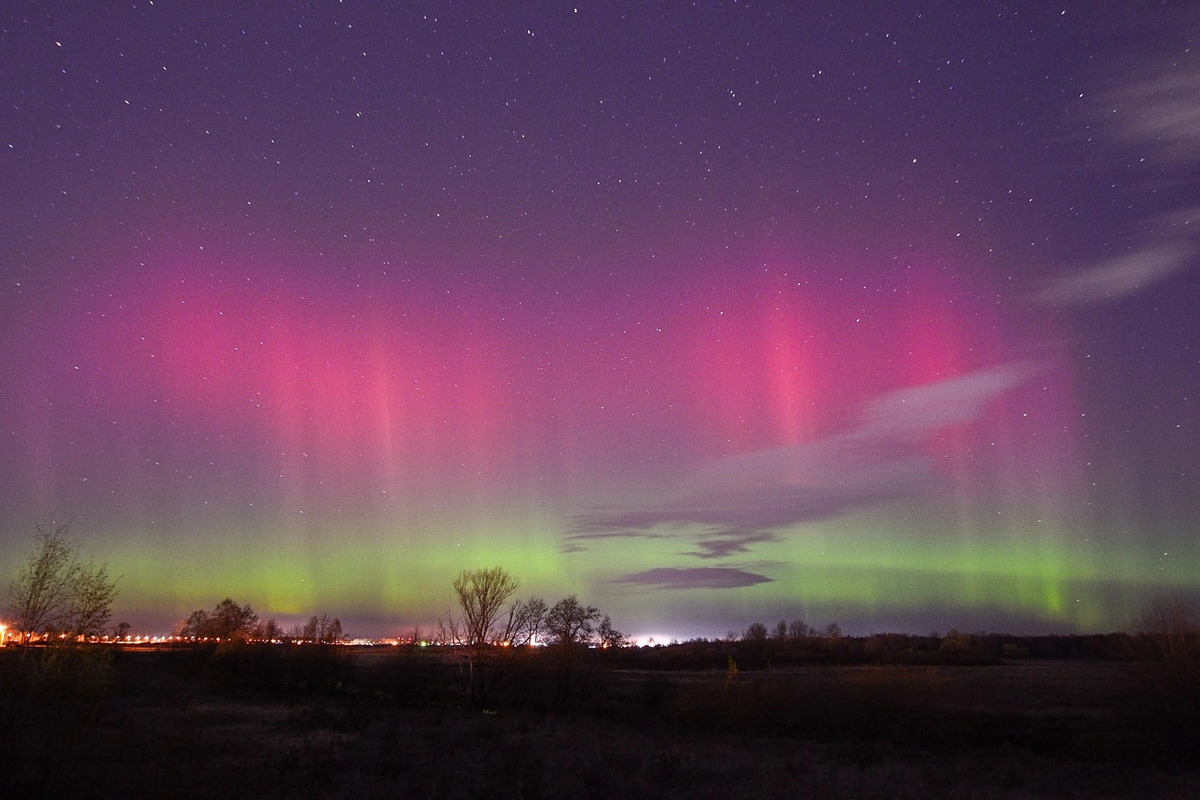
x=1156 y=113
x=1158 y=110
x=1169 y=244
x=915 y=412
x=692 y=578
x=738 y=502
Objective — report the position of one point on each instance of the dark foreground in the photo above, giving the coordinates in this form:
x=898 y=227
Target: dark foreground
x=388 y=722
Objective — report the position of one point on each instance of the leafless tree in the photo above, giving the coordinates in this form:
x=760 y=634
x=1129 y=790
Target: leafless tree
x=798 y=629
x=322 y=630
x=527 y=622
x=756 y=634
x=269 y=631
x=610 y=636
x=481 y=595
x=417 y=635
x=480 y=623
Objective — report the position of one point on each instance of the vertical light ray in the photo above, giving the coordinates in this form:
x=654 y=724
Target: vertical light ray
x=788 y=361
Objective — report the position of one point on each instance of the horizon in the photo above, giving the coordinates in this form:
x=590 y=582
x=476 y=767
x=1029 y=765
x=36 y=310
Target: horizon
x=380 y=629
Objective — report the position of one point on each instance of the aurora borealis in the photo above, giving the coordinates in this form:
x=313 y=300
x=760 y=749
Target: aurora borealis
x=881 y=314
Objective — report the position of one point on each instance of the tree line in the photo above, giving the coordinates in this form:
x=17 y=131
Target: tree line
x=228 y=621
x=490 y=626
x=487 y=616
x=57 y=594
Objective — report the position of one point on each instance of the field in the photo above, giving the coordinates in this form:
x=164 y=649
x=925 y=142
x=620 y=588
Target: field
x=398 y=722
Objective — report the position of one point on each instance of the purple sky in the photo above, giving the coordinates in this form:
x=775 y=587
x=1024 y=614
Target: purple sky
x=879 y=313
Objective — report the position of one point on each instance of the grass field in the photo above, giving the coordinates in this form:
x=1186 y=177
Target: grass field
x=393 y=722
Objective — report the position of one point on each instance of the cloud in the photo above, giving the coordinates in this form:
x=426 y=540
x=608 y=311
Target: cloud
x=1156 y=114
x=1168 y=246
x=693 y=578
x=738 y=501
x=916 y=411
x=723 y=546
x=1158 y=111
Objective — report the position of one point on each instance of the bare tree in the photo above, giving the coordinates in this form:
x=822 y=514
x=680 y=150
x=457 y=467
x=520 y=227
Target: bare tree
x=322 y=630
x=481 y=594
x=610 y=636
x=56 y=592
x=798 y=629
x=417 y=636
x=756 y=634
x=527 y=621
x=269 y=631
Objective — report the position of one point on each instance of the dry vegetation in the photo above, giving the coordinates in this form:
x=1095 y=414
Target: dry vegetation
x=269 y=721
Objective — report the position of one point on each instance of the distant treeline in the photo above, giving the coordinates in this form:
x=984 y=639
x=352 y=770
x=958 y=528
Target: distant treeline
x=883 y=648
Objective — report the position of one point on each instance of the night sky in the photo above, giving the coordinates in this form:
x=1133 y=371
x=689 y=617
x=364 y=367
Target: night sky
x=884 y=313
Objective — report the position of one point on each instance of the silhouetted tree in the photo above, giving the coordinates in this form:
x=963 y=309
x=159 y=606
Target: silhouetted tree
x=269 y=631
x=571 y=625
x=609 y=636
x=755 y=633
x=417 y=635
x=58 y=593
x=227 y=620
x=570 y=622
x=481 y=595
x=323 y=630
x=798 y=629
x=527 y=621
x=91 y=602
x=195 y=625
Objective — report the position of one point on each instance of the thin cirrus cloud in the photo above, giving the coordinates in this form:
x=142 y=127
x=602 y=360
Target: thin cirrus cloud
x=1168 y=247
x=1158 y=115
x=1158 y=112
x=741 y=501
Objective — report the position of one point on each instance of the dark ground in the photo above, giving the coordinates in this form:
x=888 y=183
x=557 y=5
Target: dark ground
x=393 y=722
